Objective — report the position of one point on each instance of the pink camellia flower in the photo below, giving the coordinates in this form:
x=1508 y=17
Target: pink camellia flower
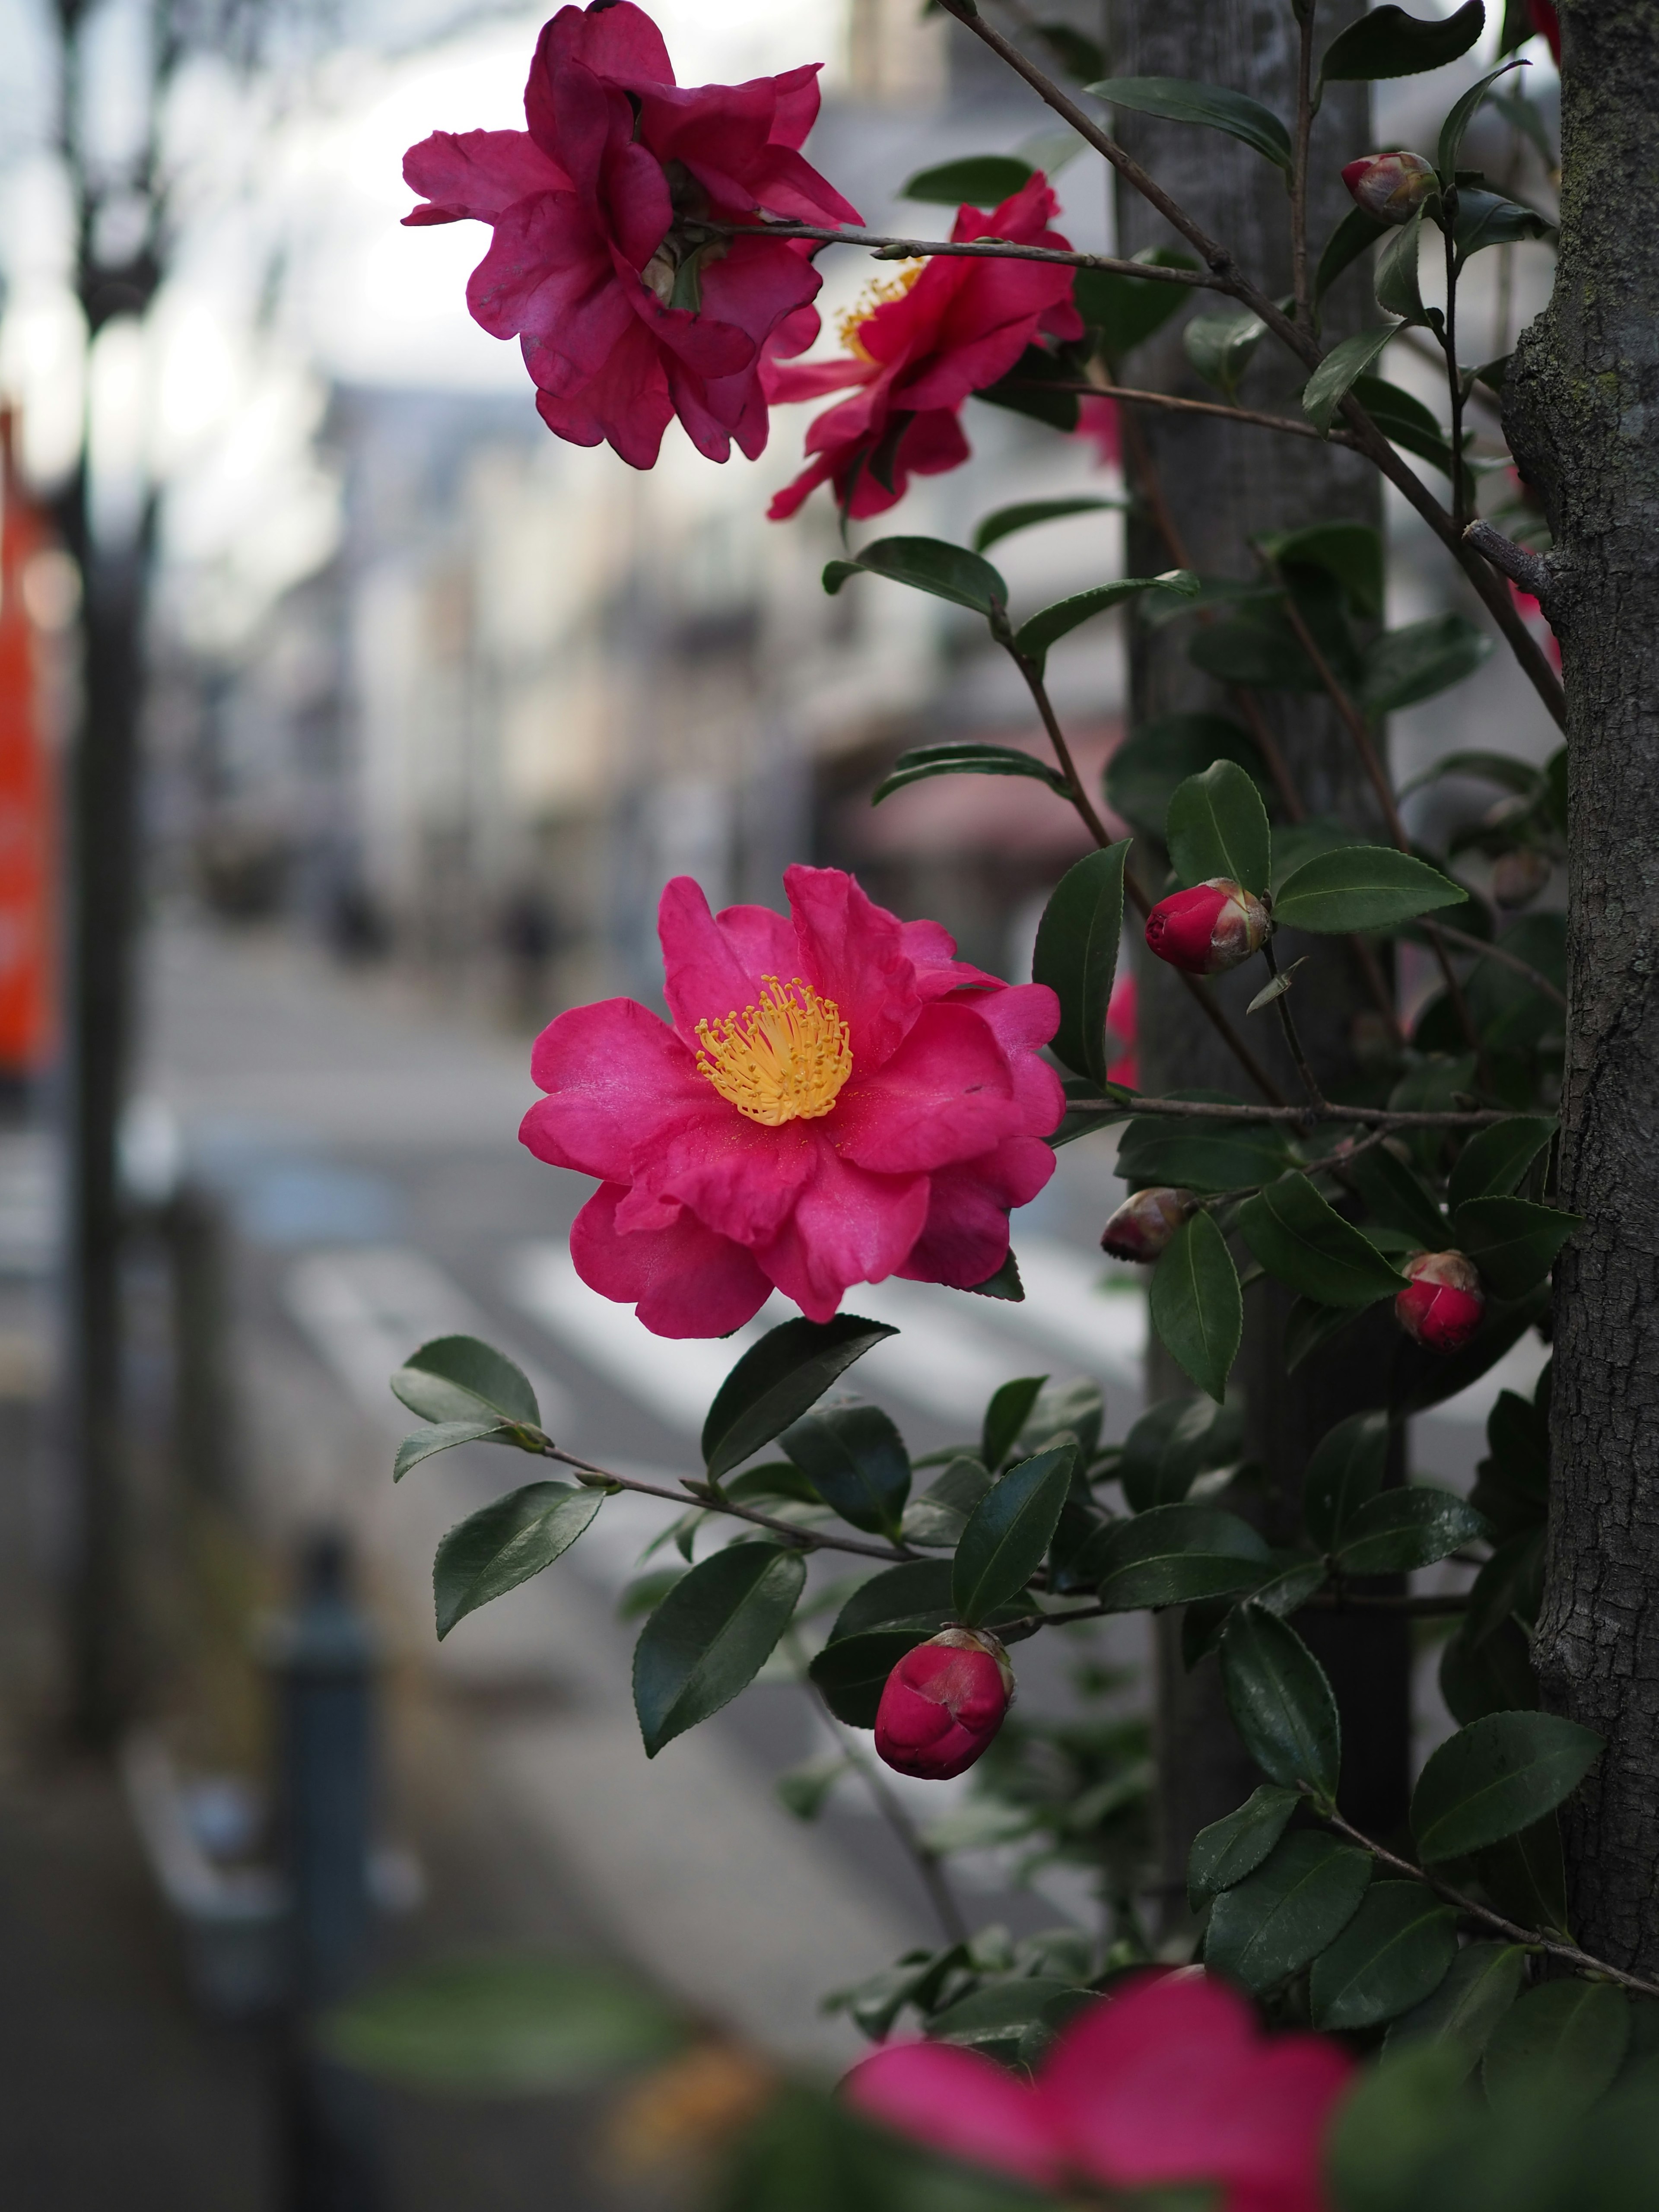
x=1097 y=422
x=1390 y=187
x=1442 y=1302
x=838 y=1099
x=916 y=349
x=1165 y=2081
x=943 y=1703
x=628 y=314
x=1209 y=929
x=1146 y=1222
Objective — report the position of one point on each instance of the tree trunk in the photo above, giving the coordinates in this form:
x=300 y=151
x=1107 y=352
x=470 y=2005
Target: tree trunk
x=1582 y=407
x=1223 y=485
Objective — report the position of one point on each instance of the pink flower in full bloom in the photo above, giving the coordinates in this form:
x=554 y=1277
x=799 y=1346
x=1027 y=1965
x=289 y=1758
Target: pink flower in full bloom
x=1209 y=929
x=835 y=1098
x=931 y=336
x=943 y=1704
x=626 y=313
x=1167 y=2080
x=1443 y=1303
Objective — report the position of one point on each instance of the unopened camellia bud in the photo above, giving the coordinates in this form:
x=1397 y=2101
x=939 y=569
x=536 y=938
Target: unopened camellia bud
x=1442 y=1302
x=1209 y=929
x=1143 y=1223
x=1390 y=187
x=943 y=1703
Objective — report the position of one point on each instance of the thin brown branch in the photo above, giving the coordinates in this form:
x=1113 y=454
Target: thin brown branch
x=1536 y=976
x=1299 y=173
x=1532 y=571
x=1373 y=1117
x=1292 y=1035
x=1170 y=400
x=887 y=248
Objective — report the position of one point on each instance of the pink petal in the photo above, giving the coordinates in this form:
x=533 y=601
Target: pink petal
x=933 y=443
x=946 y=1094
x=548 y=274
x=621 y=42
x=683 y=1280
x=852 y=952
x=849 y=1226
x=617 y=1078
x=957 y=2102
x=714 y=966
x=931 y=951
x=637 y=206
x=626 y=402
x=965 y=1239
x=477 y=173
x=737 y=1176
x=789 y=381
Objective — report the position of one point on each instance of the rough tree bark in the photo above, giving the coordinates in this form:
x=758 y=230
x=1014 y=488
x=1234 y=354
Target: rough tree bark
x=1225 y=485
x=1581 y=408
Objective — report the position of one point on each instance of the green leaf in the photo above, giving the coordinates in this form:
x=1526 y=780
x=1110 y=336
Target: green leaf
x=711 y=1635
x=1509 y=1586
x=444 y=1437
x=456 y=1378
x=1308 y=1327
x=854 y=1458
x=1494 y=1160
x=502 y=2026
x=960 y=758
x=504 y=1543
x=1200 y=1155
x=1064 y=1413
x=1494 y=1676
x=1394 y=1194
x=1388 y=42
x=1350 y=551
x=1220 y=347
x=1257 y=647
x=1485 y=219
x=915 y=1596
x=1393 y=1954
x=1197 y=1308
x=1395 y=277
x=777 y=1380
x=1179 y=99
x=851 y=1672
x=1224 y=1852
x=1458 y=120
x=1406 y=422
x=1127 y=310
x=1006 y=1415
x=1173 y=1554
x=1483 y=1982
x=1419 y=661
x=1352 y=235
x=1004 y=1284
x=1505 y=770
x=1034 y=637
x=1171 y=1444
x=1394 y=2137
x=1076 y=955
x=998 y=2013
x=1512 y=1242
x=1277 y=1919
x=1281 y=1703
x=805 y=1790
x=1217 y=826
x=1497 y=1776
x=1563 y=2040
x=1334 y=378
x=1305 y=1243
x=927 y=564
x=1143 y=773
x=1403 y=1529
x=1042 y=384
x=1526 y=1877
x=1361 y=887
x=1345 y=1471
x=1008 y=1532
x=979 y=180
x=1026 y=513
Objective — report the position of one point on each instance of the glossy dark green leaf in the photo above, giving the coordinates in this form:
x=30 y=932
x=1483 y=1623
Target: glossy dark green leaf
x=958 y=758
x=1220 y=347
x=1172 y=1554
x=1008 y=1532
x=1297 y=1901
x=1402 y=1529
x=927 y=564
x=1005 y=1284
x=1526 y=1877
x=1493 y=1676
x=941 y=1514
x=1217 y=826
x=711 y=1635
x=1420 y=661
x=1494 y=1160
x=1076 y=955
x=504 y=1543
x=1355 y=232
x=777 y=1380
x=981 y=180
x=1395 y=280
x=854 y=1458
x=1171 y=1444
x=1512 y=1242
x=1351 y=552
x=1127 y=310
x=1393 y=1954
x=1064 y=1413
x=852 y=1673
x=1281 y=1703
x=1393 y=2136
x=1497 y=1776
x=917 y=1593
x=1200 y=1155
x=1305 y=1243
x=1006 y=1414
x=1143 y=772
x=1042 y=384
x=1308 y=1327
x=1485 y=219
x=1228 y=1849
x=1506 y=770
x=1509 y=1586
x=777 y=1479
x=1458 y=120
x=1404 y=421
x=1196 y=1306
x=457 y=1378
x=1345 y=1471
x=1181 y=100
x=1387 y=42
x=1361 y=887
x=1397 y=1198
x=1025 y=513
x=444 y=1437
x=1257 y=646
x=1336 y=375
x=1563 y=2040
x=1484 y=1981
x=998 y=2012
x=1034 y=637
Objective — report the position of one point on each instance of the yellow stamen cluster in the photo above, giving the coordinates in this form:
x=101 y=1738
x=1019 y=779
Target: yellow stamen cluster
x=784 y=1059
x=880 y=293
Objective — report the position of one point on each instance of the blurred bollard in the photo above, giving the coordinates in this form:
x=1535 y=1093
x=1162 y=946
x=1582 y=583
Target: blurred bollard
x=193 y=1227
x=322 y=1658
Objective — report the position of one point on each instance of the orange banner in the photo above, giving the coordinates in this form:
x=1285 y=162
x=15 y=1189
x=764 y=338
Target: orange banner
x=27 y=813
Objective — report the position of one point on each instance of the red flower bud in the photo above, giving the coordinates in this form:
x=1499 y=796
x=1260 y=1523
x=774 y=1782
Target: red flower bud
x=1443 y=1303
x=1144 y=1224
x=1209 y=929
x=943 y=1704
x=1390 y=187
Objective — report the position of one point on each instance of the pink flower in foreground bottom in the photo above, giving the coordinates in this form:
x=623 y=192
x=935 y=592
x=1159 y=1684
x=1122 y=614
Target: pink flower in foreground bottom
x=838 y=1099
x=1166 y=2080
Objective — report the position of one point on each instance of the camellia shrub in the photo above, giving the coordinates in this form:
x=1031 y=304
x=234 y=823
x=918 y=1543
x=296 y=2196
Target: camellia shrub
x=1373 y=2023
